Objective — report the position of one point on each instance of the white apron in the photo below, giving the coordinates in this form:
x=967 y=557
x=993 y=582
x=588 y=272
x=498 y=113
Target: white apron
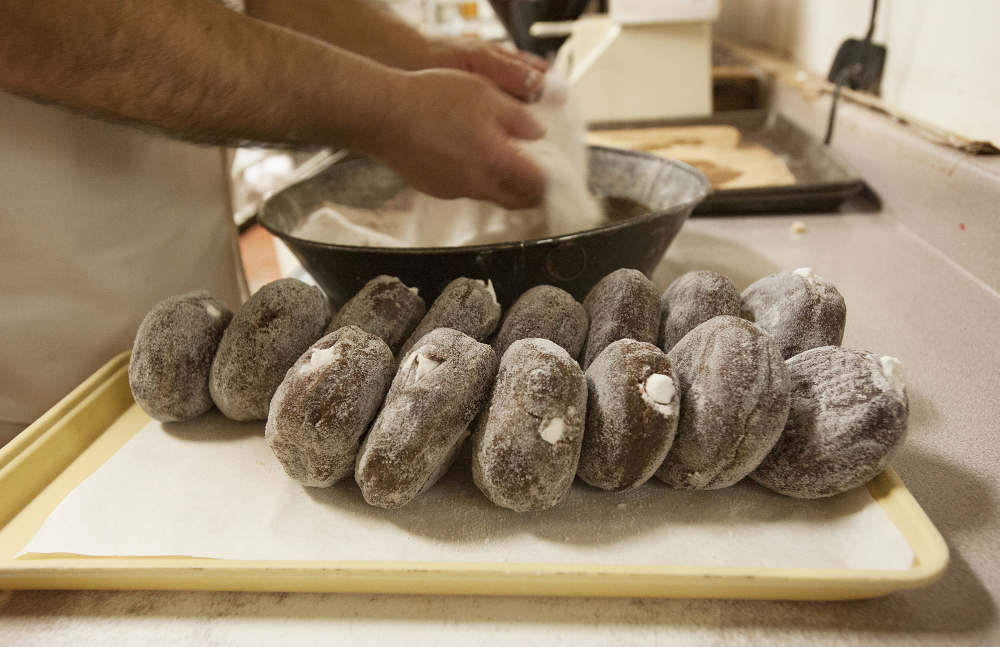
x=98 y=222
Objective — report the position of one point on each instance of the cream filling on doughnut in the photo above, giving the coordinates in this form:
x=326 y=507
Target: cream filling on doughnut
x=489 y=288
x=424 y=366
x=323 y=356
x=658 y=391
x=806 y=273
x=212 y=310
x=415 y=291
x=552 y=430
x=892 y=369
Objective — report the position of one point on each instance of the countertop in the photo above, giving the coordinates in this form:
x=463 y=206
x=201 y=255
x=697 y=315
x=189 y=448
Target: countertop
x=906 y=298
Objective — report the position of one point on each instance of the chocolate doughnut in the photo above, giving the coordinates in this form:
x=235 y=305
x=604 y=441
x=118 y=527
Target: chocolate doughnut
x=633 y=405
x=386 y=308
x=172 y=355
x=623 y=305
x=734 y=402
x=269 y=334
x=325 y=403
x=798 y=309
x=526 y=448
x=545 y=312
x=440 y=387
x=466 y=305
x=847 y=419
x=692 y=299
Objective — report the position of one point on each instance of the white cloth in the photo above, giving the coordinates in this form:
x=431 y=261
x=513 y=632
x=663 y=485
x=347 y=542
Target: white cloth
x=420 y=220
x=98 y=222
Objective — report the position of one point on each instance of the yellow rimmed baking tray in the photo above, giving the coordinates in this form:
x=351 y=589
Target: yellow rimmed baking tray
x=43 y=464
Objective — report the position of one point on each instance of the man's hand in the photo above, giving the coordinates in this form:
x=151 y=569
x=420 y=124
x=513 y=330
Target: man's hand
x=515 y=72
x=449 y=134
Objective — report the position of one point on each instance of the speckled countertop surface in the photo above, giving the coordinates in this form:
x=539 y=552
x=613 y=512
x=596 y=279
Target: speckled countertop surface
x=939 y=312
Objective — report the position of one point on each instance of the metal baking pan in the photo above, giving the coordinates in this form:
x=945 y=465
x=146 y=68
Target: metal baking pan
x=40 y=467
x=823 y=179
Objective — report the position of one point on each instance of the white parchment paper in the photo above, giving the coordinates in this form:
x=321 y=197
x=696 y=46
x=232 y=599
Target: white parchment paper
x=212 y=488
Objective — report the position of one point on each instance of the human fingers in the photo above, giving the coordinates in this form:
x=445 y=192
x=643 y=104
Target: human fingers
x=455 y=135
x=521 y=183
x=508 y=72
x=533 y=60
x=517 y=122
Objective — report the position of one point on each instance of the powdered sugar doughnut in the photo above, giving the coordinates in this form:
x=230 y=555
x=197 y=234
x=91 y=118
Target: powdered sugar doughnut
x=624 y=304
x=440 y=387
x=734 y=402
x=545 y=312
x=525 y=451
x=466 y=305
x=325 y=403
x=386 y=308
x=269 y=334
x=633 y=405
x=692 y=299
x=799 y=309
x=172 y=355
x=847 y=419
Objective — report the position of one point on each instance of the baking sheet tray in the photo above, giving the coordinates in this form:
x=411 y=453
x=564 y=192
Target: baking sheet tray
x=43 y=465
x=823 y=179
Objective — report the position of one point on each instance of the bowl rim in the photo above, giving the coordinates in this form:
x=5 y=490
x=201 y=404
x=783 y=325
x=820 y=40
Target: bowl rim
x=698 y=176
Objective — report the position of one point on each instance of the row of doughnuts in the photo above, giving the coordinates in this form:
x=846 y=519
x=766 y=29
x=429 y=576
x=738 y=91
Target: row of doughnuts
x=691 y=385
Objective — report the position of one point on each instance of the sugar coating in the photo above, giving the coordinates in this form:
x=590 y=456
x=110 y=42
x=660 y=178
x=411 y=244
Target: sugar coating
x=798 y=309
x=628 y=432
x=545 y=312
x=425 y=420
x=465 y=305
x=386 y=308
x=624 y=304
x=527 y=445
x=847 y=420
x=734 y=403
x=323 y=407
x=692 y=299
x=269 y=334
x=172 y=355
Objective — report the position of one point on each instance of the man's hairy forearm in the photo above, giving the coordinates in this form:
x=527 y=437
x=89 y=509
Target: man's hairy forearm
x=366 y=27
x=191 y=68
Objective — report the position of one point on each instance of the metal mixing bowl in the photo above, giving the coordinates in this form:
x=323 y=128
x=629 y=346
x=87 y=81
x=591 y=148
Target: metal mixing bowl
x=648 y=199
